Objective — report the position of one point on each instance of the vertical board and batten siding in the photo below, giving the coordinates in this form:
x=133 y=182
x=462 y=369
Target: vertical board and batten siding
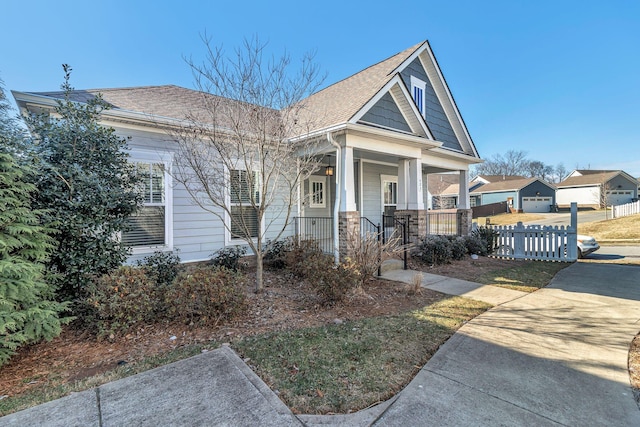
x=436 y=118
x=372 y=189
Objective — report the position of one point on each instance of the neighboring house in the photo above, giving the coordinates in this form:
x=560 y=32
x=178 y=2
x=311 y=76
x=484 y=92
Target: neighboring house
x=383 y=130
x=597 y=188
x=449 y=196
x=521 y=194
x=439 y=186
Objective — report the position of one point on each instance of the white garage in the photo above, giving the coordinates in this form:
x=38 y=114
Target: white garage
x=536 y=204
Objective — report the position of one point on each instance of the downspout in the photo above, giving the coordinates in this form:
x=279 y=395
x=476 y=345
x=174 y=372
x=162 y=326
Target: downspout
x=336 y=207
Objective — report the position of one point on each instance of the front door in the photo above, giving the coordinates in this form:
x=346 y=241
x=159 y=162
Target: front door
x=389 y=197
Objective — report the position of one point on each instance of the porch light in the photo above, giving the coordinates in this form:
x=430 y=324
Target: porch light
x=328 y=171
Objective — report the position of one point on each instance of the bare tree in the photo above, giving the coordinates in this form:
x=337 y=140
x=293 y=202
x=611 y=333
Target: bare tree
x=560 y=172
x=243 y=155
x=514 y=162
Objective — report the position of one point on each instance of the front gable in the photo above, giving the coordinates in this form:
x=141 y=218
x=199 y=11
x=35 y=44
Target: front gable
x=416 y=79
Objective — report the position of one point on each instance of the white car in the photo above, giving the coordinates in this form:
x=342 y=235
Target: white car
x=586 y=245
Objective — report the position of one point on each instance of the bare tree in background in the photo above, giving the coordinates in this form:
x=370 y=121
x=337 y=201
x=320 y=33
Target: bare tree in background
x=237 y=158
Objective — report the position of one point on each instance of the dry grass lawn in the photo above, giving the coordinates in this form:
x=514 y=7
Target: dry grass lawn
x=627 y=227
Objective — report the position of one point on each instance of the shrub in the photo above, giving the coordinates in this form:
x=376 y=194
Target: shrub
x=367 y=253
x=28 y=310
x=162 y=267
x=301 y=251
x=475 y=245
x=229 y=258
x=120 y=300
x=433 y=250
x=488 y=236
x=331 y=282
x=458 y=247
x=207 y=295
x=275 y=252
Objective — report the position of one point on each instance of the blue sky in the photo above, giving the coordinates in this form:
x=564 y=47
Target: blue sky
x=558 y=79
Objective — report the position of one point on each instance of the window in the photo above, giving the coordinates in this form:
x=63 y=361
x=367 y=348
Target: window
x=389 y=195
x=244 y=200
x=149 y=227
x=418 y=89
x=317 y=195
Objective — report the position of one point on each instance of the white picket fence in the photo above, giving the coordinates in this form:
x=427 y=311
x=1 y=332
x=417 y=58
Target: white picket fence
x=536 y=242
x=627 y=209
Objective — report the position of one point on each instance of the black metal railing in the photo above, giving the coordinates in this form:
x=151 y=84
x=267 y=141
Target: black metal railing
x=370 y=230
x=397 y=227
x=444 y=223
x=319 y=229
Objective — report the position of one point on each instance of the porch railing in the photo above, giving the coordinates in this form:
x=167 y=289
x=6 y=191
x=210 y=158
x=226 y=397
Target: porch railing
x=319 y=229
x=370 y=230
x=442 y=223
x=397 y=227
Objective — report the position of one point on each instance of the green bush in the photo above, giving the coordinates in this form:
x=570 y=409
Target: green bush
x=275 y=252
x=86 y=186
x=433 y=250
x=229 y=258
x=28 y=310
x=475 y=245
x=488 y=236
x=207 y=295
x=162 y=267
x=458 y=247
x=120 y=300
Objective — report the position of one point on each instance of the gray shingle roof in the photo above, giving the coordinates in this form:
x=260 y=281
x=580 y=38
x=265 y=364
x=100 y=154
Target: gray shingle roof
x=339 y=102
x=513 y=184
x=589 y=177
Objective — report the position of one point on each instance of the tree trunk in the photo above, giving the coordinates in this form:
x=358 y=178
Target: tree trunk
x=259 y=269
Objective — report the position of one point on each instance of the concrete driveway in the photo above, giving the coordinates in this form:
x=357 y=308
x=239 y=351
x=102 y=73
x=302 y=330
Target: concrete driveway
x=564 y=218
x=557 y=356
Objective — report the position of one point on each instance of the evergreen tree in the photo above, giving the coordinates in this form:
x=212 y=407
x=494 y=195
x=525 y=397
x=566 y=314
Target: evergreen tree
x=86 y=185
x=28 y=310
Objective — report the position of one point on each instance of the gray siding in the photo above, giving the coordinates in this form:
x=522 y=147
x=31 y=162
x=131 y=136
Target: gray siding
x=435 y=115
x=537 y=187
x=196 y=232
x=386 y=113
x=371 y=191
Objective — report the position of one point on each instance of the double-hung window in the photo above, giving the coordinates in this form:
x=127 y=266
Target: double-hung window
x=418 y=90
x=244 y=201
x=150 y=227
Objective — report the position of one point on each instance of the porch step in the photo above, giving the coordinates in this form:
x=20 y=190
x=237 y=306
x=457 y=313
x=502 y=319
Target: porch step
x=391 y=264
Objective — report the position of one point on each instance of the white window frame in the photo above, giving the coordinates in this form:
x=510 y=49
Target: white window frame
x=143 y=156
x=419 y=87
x=313 y=203
x=229 y=239
x=383 y=180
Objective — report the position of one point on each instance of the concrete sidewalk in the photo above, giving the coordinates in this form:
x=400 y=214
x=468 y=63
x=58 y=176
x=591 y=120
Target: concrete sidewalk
x=554 y=357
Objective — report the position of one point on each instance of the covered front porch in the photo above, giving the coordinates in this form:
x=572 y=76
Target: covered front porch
x=370 y=185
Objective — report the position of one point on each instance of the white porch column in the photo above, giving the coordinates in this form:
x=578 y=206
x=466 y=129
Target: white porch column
x=403 y=179
x=410 y=184
x=463 y=195
x=414 y=185
x=347 y=181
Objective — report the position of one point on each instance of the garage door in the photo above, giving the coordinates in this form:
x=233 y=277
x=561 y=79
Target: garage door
x=619 y=197
x=536 y=204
